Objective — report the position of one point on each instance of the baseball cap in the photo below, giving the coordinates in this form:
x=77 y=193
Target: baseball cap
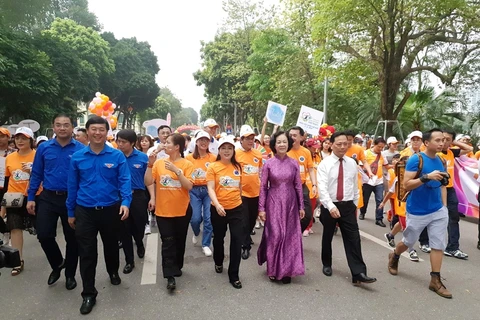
x=416 y=133
x=313 y=143
x=407 y=141
x=42 y=138
x=359 y=137
x=227 y=139
x=392 y=140
x=5 y=131
x=202 y=134
x=246 y=130
x=210 y=123
x=27 y=132
x=257 y=137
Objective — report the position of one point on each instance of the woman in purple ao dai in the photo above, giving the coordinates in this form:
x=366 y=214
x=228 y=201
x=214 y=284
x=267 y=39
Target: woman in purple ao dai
x=281 y=206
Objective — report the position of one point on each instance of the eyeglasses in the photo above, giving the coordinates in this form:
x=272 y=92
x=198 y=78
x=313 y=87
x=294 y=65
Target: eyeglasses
x=62 y=125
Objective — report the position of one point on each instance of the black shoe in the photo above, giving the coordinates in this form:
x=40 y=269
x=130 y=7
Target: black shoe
x=128 y=268
x=461 y=215
x=218 y=269
x=327 y=271
x=253 y=233
x=286 y=280
x=120 y=244
x=71 y=283
x=361 y=216
x=55 y=274
x=178 y=275
x=141 y=252
x=245 y=254
x=115 y=279
x=171 y=285
x=236 y=284
x=87 y=305
x=362 y=278
x=380 y=223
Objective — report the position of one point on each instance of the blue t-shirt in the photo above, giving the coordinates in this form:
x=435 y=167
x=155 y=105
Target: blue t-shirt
x=427 y=198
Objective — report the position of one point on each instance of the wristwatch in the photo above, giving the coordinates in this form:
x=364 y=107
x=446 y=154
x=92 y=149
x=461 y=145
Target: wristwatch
x=179 y=172
x=424 y=178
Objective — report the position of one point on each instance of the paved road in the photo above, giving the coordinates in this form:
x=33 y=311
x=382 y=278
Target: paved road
x=203 y=294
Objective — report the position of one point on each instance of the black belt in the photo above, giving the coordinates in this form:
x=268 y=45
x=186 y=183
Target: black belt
x=138 y=190
x=97 y=208
x=344 y=202
x=56 y=193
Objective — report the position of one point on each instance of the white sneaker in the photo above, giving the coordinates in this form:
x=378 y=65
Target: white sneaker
x=148 y=230
x=207 y=251
x=194 y=239
x=257 y=225
x=306 y=233
x=425 y=248
x=414 y=256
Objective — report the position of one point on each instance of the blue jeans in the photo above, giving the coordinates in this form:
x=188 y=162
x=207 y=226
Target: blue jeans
x=200 y=202
x=378 y=191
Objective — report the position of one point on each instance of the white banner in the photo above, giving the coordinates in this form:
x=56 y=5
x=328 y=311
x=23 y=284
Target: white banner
x=276 y=113
x=310 y=120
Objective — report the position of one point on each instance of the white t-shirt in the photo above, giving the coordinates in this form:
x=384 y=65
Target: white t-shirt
x=212 y=146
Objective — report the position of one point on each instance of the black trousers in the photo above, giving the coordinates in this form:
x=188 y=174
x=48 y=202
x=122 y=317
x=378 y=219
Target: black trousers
x=173 y=232
x=134 y=225
x=235 y=220
x=250 y=205
x=308 y=208
x=350 y=235
x=89 y=222
x=51 y=206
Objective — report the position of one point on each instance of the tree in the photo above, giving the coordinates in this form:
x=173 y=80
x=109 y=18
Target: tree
x=165 y=103
x=185 y=116
x=378 y=45
x=76 y=10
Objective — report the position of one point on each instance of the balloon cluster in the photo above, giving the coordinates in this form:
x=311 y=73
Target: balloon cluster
x=103 y=107
x=326 y=131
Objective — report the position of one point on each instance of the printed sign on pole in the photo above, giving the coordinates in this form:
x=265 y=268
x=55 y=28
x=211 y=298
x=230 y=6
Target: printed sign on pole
x=276 y=113
x=310 y=120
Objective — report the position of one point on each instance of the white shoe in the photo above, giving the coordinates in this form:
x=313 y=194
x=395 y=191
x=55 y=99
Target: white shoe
x=257 y=225
x=194 y=239
x=148 y=230
x=207 y=251
x=306 y=233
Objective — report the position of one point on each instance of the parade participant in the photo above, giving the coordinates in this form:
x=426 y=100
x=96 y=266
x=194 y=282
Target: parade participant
x=211 y=127
x=52 y=161
x=40 y=140
x=224 y=188
x=99 y=195
x=313 y=146
x=81 y=136
x=415 y=144
x=5 y=150
x=377 y=163
x=144 y=143
x=251 y=162
x=159 y=150
x=451 y=150
x=134 y=225
x=426 y=207
x=392 y=144
x=18 y=167
x=325 y=148
x=201 y=158
x=281 y=206
x=173 y=181
x=337 y=183
x=304 y=159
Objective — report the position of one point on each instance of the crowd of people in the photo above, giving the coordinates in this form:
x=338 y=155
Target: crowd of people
x=120 y=187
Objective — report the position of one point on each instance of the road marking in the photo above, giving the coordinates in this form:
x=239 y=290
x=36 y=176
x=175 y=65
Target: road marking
x=149 y=272
x=383 y=244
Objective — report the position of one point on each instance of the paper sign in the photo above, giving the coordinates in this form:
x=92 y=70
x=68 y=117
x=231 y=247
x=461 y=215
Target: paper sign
x=310 y=120
x=276 y=113
x=2 y=172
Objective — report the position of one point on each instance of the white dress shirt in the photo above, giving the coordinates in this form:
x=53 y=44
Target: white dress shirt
x=327 y=180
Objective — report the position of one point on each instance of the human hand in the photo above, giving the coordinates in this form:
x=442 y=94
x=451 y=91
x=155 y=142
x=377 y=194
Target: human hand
x=435 y=175
x=71 y=222
x=152 y=158
x=27 y=167
x=123 y=212
x=170 y=166
x=335 y=213
x=221 y=211
x=381 y=205
x=262 y=215
x=31 y=207
x=302 y=214
x=151 y=205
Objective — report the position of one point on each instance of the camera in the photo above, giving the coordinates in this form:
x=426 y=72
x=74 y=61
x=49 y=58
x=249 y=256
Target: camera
x=446 y=178
x=9 y=257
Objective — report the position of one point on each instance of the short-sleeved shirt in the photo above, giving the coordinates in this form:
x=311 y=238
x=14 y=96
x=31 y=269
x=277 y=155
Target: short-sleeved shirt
x=200 y=167
x=356 y=152
x=427 y=198
x=18 y=179
x=304 y=159
x=227 y=180
x=171 y=199
x=370 y=157
x=251 y=162
x=449 y=157
x=399 y=206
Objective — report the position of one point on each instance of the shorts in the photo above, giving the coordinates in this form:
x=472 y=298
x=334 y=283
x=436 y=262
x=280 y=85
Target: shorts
x=436 y=224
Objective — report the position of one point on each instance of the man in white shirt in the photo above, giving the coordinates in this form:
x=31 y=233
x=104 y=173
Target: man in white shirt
x=163 y=132
x=337 y=179
x=211 y=127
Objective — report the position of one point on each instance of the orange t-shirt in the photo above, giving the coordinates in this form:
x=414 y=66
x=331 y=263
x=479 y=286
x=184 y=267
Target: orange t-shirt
x=251 y=162
x=360 y=190
x=356 y=152
x=370 y=157
x=304 y=159
x=200 y=166
x=171 y=199
x=477 y=155
x=227 y=180
x=19 y=179
x=450 y=163
x=316 y=161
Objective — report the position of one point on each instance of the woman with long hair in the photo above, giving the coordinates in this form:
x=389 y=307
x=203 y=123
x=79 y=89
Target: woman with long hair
x=173 y=181
x=224 y=188
x=201 y=158
x=18 y=168
x=325 y=148
x=144 y=142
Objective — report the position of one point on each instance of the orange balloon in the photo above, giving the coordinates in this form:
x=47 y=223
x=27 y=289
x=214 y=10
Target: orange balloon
x=106 y=113
x=98 y=112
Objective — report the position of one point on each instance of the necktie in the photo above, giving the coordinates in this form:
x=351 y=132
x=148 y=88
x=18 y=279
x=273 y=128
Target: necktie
x=340 y=181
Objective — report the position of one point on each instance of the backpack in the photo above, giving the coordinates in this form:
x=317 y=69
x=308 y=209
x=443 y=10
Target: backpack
x=400 y=191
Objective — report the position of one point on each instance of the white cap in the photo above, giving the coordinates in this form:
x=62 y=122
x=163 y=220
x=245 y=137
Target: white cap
x=223 y=135
x=407 y=141
x=467 y=137
x=359 y=136
x=416 y=133
x=392 y=140
x=227 y=139
x=210 y=123
x=246 y=130
x=258 y=137
x=27 y=132
x=42 y=138
x=202 y=134
x=459 y=136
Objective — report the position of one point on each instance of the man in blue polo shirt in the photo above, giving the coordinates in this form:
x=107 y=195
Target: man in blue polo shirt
x=50 y=167
x=134 y=225
x=99 y=195
x=426 y=207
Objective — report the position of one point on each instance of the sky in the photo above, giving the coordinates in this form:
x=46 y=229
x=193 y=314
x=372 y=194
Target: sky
x=174 y=29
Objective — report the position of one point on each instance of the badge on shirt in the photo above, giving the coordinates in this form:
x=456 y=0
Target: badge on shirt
x=236 y=173
x=109 y=165
x=255 y=160
x=137 y=165
x=301 y=159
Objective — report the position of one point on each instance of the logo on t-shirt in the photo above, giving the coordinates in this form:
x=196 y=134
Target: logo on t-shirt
x=199 y=174
x=109 y=165
x=137 y=165
x=301 y=159
x=19 y=175
x=354 y=156
x=207 y=164
x=249 y=169
x=168 y=182
x=229 y=182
